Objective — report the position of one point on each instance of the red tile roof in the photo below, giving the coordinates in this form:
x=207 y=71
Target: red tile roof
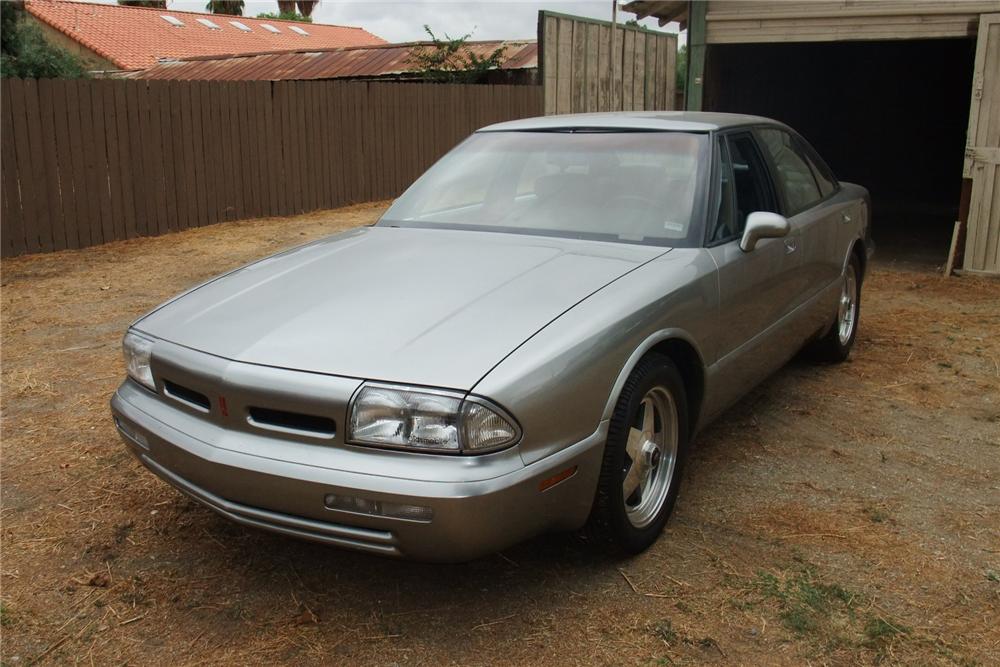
x=358 y=61
x=138 y=37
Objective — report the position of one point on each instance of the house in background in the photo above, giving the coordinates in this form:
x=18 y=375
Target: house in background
x=115 y=37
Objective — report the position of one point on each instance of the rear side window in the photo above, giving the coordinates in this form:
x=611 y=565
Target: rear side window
x=795 y=176
x=825 y=178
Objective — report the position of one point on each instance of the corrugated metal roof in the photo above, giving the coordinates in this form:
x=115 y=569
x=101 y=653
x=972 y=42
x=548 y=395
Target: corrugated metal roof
x=351 y=62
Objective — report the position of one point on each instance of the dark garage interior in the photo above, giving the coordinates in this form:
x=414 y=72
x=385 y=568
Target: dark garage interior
x=889 y=115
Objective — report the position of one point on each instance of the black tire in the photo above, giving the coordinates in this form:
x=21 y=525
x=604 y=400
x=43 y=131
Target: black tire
x=833 y=347
x=610 y=520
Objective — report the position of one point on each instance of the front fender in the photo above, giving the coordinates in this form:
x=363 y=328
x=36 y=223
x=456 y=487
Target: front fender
x=652 y=341
x=562 y=383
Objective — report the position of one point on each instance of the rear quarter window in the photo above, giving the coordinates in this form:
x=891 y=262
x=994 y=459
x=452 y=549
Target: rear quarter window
x=794 y=174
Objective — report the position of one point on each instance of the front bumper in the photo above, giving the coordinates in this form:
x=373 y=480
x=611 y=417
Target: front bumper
x=479 y=507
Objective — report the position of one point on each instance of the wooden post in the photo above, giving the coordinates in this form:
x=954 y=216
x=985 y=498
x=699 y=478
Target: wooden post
x=950 y=265
x=612 y=58
x=696 y=54
x=956 y=253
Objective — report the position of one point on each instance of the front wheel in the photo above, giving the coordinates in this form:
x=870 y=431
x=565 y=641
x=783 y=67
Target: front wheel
x=644 y=456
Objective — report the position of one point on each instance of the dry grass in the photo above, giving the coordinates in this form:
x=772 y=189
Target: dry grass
x=838 y=515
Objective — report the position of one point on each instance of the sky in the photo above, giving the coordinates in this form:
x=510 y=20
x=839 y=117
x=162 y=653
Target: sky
x=404 y=21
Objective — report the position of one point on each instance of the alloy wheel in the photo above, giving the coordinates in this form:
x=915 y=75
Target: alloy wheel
x=848 y=309
x=651 y=455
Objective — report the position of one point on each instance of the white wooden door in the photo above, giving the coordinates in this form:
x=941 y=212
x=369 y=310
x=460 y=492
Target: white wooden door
x=982 y=153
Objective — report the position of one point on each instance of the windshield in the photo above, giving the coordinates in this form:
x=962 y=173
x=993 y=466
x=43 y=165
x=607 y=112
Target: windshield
x=638 y=187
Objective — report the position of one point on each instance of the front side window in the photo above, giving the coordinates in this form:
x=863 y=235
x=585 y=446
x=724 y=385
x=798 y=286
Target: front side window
x=629 y=186
x=794 y=174
x=744 y=188
x=725 y=223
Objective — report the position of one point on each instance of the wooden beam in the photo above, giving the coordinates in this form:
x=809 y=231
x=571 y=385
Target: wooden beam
x=803 y=11
x=672 y=11
x=666 y=12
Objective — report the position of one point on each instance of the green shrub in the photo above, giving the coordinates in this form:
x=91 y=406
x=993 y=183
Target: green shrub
x=36 y=58
x=28 y=55
x=450 y=60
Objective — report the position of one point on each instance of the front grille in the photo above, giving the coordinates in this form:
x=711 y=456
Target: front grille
x=293 y=422
x=242 y=398
x=193 y=398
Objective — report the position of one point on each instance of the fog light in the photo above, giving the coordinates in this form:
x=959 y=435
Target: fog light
x=408 y=512
x=378 y=508
x=131 y=433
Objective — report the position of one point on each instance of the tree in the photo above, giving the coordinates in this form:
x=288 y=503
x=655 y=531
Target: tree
x=682 y=67
x=305 y=7
x=27 y=54
x=451 y=60
x=10 y=14
x=229 y=7
x=293 y=16
x=155 y=4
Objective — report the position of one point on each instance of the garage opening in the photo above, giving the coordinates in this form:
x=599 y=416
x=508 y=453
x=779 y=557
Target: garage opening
x=889 y=115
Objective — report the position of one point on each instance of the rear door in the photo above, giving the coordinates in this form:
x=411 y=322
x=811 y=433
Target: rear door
x=805 y=193
x=757 y=289
x=843 y=210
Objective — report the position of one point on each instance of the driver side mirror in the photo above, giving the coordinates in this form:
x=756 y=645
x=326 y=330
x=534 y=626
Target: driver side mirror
x=763 y=225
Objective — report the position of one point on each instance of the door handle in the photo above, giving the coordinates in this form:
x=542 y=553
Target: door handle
x=790 y=246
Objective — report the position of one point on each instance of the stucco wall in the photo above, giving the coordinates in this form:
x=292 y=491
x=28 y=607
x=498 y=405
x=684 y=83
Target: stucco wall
x=91 y=59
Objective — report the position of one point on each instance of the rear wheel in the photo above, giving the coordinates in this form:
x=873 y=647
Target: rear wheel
x=644 y=456
x=836 y=345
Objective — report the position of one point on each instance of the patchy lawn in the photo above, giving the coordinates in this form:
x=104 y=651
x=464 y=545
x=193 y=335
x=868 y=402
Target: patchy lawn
x=838 y=515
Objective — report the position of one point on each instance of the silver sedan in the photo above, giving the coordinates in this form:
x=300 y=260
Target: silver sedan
x=527 y=340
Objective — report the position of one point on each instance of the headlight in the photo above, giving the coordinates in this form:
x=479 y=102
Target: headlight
x=137 y=353
x=428 y=420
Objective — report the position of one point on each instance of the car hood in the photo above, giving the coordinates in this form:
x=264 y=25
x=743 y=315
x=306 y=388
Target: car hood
x=421 y=306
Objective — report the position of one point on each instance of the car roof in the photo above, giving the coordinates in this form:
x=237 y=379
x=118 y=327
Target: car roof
x=689 y=121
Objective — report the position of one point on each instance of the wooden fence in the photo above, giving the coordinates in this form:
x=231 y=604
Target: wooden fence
x=580 y=73
x=87 y=162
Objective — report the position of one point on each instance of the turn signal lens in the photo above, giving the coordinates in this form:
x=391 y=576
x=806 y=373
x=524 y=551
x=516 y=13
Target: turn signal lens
x=484 y=429
x=138 y=351
x=548 y=483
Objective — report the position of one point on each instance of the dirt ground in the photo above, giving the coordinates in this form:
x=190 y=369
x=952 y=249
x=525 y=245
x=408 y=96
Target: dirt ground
x=838 y=515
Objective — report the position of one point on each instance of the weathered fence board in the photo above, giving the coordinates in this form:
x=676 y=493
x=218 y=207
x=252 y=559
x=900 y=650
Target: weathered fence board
x=88 y=162
x=577 y=64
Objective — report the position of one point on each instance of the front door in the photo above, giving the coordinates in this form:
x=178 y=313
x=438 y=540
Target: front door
x=758 y=290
